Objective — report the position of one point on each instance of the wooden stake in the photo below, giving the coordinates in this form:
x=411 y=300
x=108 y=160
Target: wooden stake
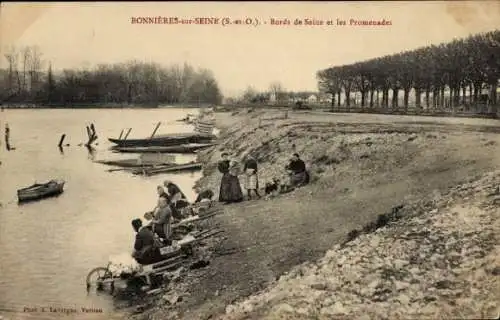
x=61 y=140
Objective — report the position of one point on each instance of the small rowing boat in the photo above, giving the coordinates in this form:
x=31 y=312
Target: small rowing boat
x=39 y=191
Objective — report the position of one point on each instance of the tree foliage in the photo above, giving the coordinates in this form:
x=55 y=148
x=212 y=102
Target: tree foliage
x=461 y=65
x=132 y=82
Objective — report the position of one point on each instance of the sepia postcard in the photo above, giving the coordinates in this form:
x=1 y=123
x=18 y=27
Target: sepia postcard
x=250 y=160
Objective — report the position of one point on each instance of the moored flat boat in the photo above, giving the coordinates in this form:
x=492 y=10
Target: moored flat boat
x=128 y=163
x=183 y=148
x=168 y=168
x=165 y=140
x=39 y=191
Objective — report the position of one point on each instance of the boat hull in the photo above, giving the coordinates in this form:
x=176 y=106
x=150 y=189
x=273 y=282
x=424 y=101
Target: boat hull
x=40 y=191
x=185 y=148
x=168 y=140
x=168 y=169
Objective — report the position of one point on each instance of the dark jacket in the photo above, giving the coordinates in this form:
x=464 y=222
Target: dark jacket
x=223 y=166
x=250 y=164
x=144 y=240
x=297 y=166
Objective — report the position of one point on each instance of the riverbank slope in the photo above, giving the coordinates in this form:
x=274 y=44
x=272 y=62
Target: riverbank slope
x=362 y=166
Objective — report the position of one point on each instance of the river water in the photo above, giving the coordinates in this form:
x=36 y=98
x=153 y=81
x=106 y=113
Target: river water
x=49 y=246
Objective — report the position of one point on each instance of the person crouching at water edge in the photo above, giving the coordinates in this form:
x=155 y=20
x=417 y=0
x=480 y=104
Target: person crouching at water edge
x=297 y=170
x=146 y=249
x=252 y=179
x=161 y=223
x=178 y=201
x=230 y=188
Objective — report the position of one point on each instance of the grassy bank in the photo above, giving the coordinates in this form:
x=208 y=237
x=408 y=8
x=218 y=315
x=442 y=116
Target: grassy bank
x=362 y=166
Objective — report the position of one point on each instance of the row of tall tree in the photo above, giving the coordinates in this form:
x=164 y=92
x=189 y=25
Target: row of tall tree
x=461 y=68
x=132 y=82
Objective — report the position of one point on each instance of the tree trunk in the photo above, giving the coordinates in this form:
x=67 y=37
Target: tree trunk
x=477 y=89
x=348 y=98
x=452 y=93
x=427 y=98
x=456 y=102
x=464 y=95
x=338 y=98
x=378 y=98
x=386 y=98
x=442 y=97
x=435 y=99
x=371 y=98
x=333 y=101
x=395 y=93
x=493 y=97
x=406 y=98
x=418 y=97
x=363 y=96
x=470 y=95
x=385 y=94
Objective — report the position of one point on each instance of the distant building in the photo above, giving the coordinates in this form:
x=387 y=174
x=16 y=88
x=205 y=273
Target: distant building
x=312 y=98
x=272 y=97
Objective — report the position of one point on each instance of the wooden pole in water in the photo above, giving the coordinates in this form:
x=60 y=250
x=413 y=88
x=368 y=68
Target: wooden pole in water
x=7 y=137
x=91 y=135
x=61 y=140
x=156 y=129
x=88 y=132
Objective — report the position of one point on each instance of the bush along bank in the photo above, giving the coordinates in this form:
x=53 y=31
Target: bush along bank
x=436 y=258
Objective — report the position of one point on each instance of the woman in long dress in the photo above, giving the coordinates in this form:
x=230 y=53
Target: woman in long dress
x=230 y=188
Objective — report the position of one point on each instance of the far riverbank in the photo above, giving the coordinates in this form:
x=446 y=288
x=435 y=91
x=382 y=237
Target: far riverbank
x=102 y=106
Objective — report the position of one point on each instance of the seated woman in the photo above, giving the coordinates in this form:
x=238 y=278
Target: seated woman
x=161 y=222
x=298 y=173
x=145 y=249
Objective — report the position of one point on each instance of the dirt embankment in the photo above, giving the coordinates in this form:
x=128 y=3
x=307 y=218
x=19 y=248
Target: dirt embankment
x=362 y=166
x=440 y=260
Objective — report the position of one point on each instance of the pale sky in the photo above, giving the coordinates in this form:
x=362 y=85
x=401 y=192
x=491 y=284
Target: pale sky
x=84 y=34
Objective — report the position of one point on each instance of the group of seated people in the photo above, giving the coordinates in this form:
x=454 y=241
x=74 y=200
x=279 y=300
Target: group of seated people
x=172 y=206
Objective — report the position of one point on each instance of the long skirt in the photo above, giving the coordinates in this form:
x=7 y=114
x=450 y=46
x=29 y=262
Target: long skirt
x=230 y=189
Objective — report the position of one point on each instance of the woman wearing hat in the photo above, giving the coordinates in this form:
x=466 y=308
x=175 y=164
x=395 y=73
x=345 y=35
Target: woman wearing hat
x=230 y=188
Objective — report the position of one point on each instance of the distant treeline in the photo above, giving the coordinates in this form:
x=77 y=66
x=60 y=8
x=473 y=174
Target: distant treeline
x=462 y=68
x=130 y=83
